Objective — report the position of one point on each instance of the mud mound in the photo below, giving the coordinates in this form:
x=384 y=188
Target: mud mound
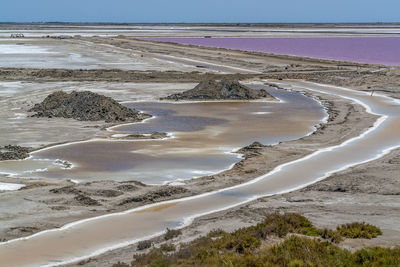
x=85 y=106
x=11 y=152
x=220 y=90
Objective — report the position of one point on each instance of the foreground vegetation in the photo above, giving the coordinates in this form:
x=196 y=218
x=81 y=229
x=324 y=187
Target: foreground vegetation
x=302 y=244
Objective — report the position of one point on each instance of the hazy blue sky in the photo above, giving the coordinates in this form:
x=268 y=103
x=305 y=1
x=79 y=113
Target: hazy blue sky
x=201 y=10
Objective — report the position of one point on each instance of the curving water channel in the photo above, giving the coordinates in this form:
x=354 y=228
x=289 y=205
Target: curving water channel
x=202 y=138
x=93 y=236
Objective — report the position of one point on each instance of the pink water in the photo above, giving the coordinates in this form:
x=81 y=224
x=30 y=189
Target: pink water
x=374 y=50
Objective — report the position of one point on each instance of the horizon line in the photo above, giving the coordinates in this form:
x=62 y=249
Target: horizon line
x=199 y=23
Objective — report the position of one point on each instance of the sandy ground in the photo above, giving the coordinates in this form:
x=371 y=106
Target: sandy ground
x=368 y=192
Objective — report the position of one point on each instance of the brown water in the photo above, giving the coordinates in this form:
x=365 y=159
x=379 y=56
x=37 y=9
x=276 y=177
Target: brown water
x=204 y=135
x=96 y=235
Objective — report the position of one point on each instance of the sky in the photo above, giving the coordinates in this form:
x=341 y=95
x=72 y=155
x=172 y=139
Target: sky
x=191 y=11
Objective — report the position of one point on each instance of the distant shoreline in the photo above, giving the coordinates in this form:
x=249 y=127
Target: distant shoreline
x=247 y=24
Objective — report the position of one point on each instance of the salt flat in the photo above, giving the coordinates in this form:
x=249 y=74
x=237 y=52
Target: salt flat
x=366 y=192
x=53 y=53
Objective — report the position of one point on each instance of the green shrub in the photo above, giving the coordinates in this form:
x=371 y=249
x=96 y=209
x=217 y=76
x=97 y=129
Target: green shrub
x=120 y=264
x=310 y=231
x=216 y=233
x=331 y=235
x=377 y=256
x=310 y=252
x=159 y=262
x=167 y=247
x=144 y=245
x=296 y=263
x=281 y=225
x=171 y=233
x=154 y=256
x=359 y=230
x=242 y=241
x=244 y=247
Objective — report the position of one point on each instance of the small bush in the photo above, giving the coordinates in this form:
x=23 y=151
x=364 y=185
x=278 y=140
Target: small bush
x=154 y=258
x=144 y=245
x=296 y=263
x=244 y=248
x=331 y=235
x=242 y=241
x=306 y=251
x=120 y=264
x=359 y=230
x=172 y=233
x=159 y=262
x=310 y=231
x=167 y=247
x=281 y=225
x=377 y=256
x=216 y=233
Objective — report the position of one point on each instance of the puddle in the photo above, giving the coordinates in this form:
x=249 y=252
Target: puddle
x=203 y=138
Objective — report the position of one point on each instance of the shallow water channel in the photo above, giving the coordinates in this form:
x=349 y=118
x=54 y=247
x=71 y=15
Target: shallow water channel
x=202 y=137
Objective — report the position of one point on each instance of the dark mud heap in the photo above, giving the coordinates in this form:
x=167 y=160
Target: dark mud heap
x=11 y=152
x=86 y=106
x=220 y=90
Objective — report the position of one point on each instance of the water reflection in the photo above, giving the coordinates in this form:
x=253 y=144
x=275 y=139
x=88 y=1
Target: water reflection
x=204 y=135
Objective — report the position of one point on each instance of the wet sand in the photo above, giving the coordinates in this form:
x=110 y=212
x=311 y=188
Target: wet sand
x=269 y=184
